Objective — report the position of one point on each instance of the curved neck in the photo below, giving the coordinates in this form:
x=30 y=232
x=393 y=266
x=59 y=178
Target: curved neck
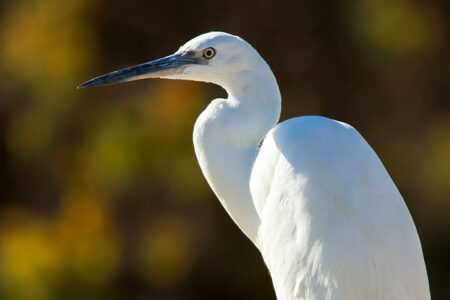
x=227 y=136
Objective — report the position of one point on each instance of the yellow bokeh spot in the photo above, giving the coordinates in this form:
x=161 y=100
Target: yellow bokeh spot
x=398 y=27
x=38 y=255
x=29 y=255
x=45 y=40
x=88 y=238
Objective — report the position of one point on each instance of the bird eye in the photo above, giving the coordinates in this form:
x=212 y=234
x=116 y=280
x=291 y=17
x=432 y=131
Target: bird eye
x=209 y=52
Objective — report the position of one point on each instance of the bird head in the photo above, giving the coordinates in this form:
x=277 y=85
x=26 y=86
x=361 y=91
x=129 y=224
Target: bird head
x=215 y=57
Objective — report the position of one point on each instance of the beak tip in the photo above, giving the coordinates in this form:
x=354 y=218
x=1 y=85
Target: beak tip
x=84 y=85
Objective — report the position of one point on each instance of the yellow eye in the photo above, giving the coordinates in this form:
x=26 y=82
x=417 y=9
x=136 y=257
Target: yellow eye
x=209 y=52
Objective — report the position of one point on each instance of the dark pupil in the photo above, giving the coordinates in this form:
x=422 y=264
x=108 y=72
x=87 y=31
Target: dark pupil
x=208 y=53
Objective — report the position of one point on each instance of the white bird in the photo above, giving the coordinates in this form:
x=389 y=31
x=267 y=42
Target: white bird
x=310 y=192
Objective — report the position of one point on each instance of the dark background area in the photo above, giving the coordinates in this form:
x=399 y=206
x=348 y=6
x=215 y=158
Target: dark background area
x=101 y=194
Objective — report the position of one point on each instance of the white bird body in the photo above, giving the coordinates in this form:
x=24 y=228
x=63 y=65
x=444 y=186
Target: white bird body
x=313 y=197
x=333 y=224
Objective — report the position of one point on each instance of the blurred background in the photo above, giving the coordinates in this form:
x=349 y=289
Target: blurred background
x=101 y=195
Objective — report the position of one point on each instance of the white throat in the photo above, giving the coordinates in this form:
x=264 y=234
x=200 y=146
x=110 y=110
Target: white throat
x=227 y=135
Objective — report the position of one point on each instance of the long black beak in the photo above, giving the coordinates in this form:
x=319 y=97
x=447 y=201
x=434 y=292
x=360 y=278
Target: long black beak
x=166 y=66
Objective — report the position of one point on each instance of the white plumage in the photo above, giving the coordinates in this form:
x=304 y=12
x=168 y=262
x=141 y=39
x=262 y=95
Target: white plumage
x=313 y=197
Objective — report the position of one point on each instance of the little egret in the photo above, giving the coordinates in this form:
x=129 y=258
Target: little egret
x=310 y=192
